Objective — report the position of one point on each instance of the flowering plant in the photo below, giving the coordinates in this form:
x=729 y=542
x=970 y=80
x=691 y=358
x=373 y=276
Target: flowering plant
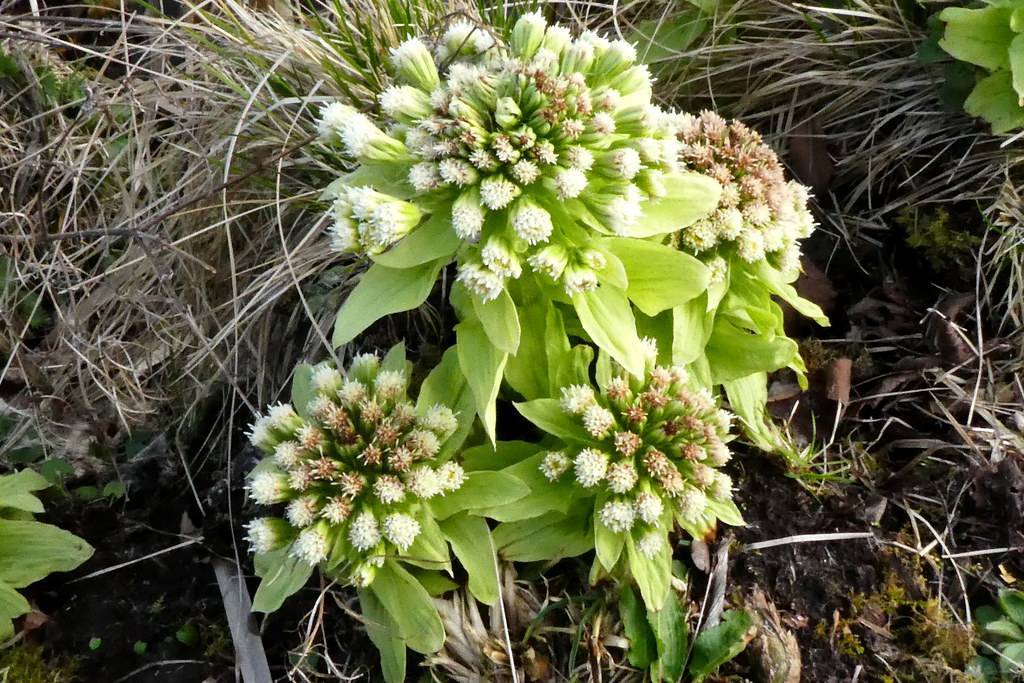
x=369 y=490
x=621 y=467
x=535 y=165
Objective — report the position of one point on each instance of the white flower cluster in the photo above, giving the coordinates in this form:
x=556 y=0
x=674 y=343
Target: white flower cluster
x=760 y=215
x=369 y=221
x=353 y=475
x=507 y=137
x=655 y=452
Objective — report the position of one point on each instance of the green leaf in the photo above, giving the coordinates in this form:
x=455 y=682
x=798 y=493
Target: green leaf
x=653 y=576
x=691 y=328
x=548 y=537
x=16 y=491
x=669 y=626
x=480 y=490
x=432 y=240
x=1012 y=603
x=410 y=606
x=1012 y=661
x=282 y=576
x=607 y=543
x=394 y=359
x=986 y=614
x=387 y=178
x=660 y=277
x=748 y=398
x=445 y=385
x=734 y=352
x=556 y=347
x=544 y=496
x=643 y=648
x=605 y=315
x=302 y=388
x=716 y=646
x=547 y=414
x=777 y=284
x=429 y=550
x=383 y=291
x=500 y=321
x=574 y=368
x=978 y=36
x=1017 y=65
x=689 y=197
x=435 y=583
x=726 y=512
x=499 y=456
x=31 y=550
x=994 y=100
x=384 y=634
x=471 y=540
x=12 y=605
x=482 y=366
x=527 y=370
x=1006 y=629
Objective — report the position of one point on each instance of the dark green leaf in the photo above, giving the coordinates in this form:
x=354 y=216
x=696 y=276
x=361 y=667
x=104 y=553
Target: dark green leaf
x=670 y=632
x=384 y=633
x=643 y=649
x=282 y=576
x=716 y=646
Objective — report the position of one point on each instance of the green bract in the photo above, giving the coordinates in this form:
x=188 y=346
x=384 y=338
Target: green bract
x=631 y=461
x=29 y=550
x=527 y=164
x=992 y=38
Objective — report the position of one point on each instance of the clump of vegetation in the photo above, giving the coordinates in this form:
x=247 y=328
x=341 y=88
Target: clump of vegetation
x=1002 y=634
x=947 y=247
x=26 y=663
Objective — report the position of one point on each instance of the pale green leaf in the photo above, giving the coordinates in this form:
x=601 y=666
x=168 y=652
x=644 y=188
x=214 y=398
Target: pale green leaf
x=482 y=366
x=410 y=606
x=653 y=575
x=660 y=277
x=282 y=576
x=31 y=550
x=16 y=491
x=979 y=36
x=12 y=605
x=691 y=328
x=995 y=100
x=498 y=456
x=549 y=537
x=608 y=545
x=445 y=385
x=734 y=352
x=777 y=284
x=429 y=550
x=384 y=634
x=394 y=359
x=471 y=540
x=480 y=490
x=547 y=414
x=383 y=291
x=527 y=370
x=689 y=197
x=500 y=321
x=1017 y=65
x=432 y=240
x=606 y=316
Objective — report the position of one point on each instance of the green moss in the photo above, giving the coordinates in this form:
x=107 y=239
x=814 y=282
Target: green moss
x=27 y=664
x=940 y=239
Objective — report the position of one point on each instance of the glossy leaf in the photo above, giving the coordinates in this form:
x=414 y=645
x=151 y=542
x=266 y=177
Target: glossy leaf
x=500 y=321
x=480 y=490
x=547 y=414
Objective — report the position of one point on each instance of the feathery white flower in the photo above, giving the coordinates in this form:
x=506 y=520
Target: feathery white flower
x=390 y=384
x=597 y=420
x=579 y=157
x=439 y=418
x=691 y=503
x=325 y=379
x=591 y=466
x=458 y=172
x=501 y=259
x=496 y=192
x=268 y=487
x=401 y=530
x=650 y=544
x=415 y=65
x=288 y=454
x=554 y=465
x=267 y=534
x=721 y=486
x=576 y=398
x=481 y=281
x=531 y=223
x=617 y=516
x=424 y=483
x=405 y=103
x=622 y=476
x=389 y=489
x=550 y=260
x=424 y=176
x=351 y=392
x=311 y=546
x=578 y=279
x=302 y=511
x=525 y=172
x=336 y=510
x=570 y=183
x=452 y=476
x=649 y=507
x=364 y=532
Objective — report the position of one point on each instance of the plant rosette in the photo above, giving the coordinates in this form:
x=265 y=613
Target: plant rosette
x=369 y=492
x=624 y=465
x=533 y=165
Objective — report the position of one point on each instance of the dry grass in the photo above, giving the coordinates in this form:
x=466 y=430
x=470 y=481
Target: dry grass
x=161 y=212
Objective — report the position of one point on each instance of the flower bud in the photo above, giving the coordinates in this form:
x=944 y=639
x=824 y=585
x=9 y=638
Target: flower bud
x=358 y=135
x=652 y=183
x=550 y=260
x=480 y=281
x=527 y=35
x=530 y=222
x=405 y=103
x=579 y=278
x=468 y=214
x=556 y=39
x=313 y=544
x=507 y=113
x=620 y=164
x=578 y=57
x=268 y=487
x=619 y=56
x=414 y=65
x=500 y=258
x=268 y=534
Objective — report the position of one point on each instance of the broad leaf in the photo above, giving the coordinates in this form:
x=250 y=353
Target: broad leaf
x=994 y=100
x=384 y=634
x=733 y=352
x=302 y=388
x=482 y=366
x=31 y=550
x=716 y=646
x=471 y=540
x=527 y=370
x=12 y=605
x=606 y=316
x=432 y=240
x=500 y=321
x=499 y=456
x=643 y=649
x=410 y=606
x=660 y=277
x=282 y=576
x=429 y=550
x=445 y=385
x=653 y=575
x=383 y=291
x=776 y=282
x=480 y=490
x=1012 y=603
x=689 y=197
x=549 y=537
x=1017 y=65
x=978 y=36
x=544 y=496
x=547 y=414
x=394 y=360
x=16 y=491
x=608 y=545
x=691 y=327
x=669 y=626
